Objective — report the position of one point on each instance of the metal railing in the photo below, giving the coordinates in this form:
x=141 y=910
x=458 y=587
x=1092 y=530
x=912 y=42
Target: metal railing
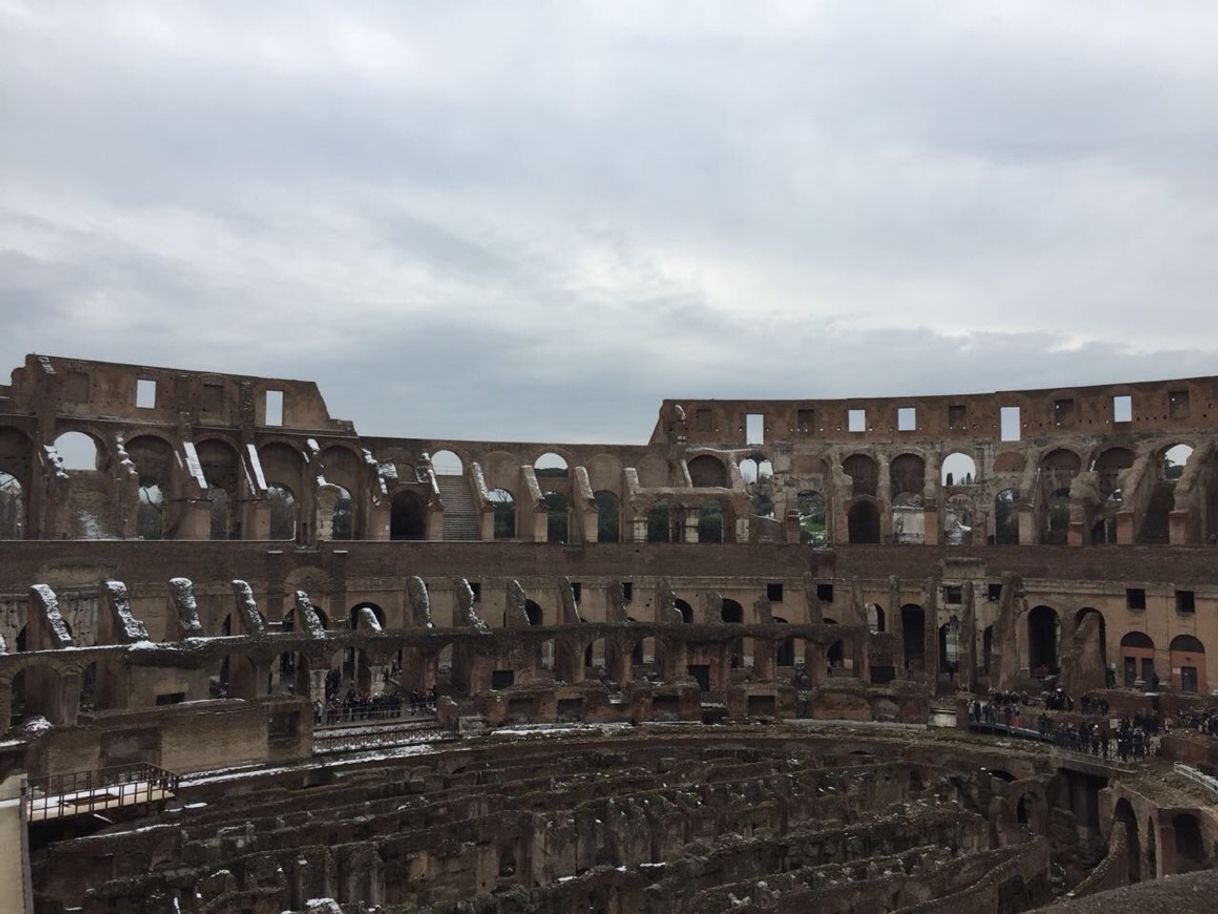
x=81 y=792
x=1199 y=777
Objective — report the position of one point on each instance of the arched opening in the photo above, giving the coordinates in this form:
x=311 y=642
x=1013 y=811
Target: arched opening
x=1044 y=640
x=1123 y=814
x=504 y=507
x=1021 y=811
x=1187 y=664
x=836 y=656
x=706 y=471
x=1057 y=518
x=785 y=655
x=1006 y=518
x=957 y=469
x=731 y=612
x=863 y=522
x=710 y=523
x=1155 y=526
x=864 y=474
x=875 y=617
x=686 y=611
x=407 y=517
x=1089 y=611
x=78 y=451
x=755 y=468
x=283 y=511
x=658 y=523
x=558 y=517
x=447 y=463
x=1108 y=467
x=221 y=470
x=907 y=473
x=12 y=508
x=762 y=504
x=1137 y=660
x=1058 y=469
x=1190 y=844
x=958 y=520
x=534 y=613
x=154 y=461
x=812 y=526
x=341 y=518
x=913 y=629
x=551 y=466
x=608 y=517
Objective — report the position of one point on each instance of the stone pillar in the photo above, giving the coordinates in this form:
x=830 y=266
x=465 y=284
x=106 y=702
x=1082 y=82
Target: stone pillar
x=619 y=661
x=764 y=658
x=895 y=624
x=930 y=633
x=814 y=662
x=968 y=638
x=675 y=663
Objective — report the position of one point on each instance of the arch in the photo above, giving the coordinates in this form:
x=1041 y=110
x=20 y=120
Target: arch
x=913 y=629
x=659 y=523
x=875 y=617
x=1137 y=659
x=1187 y=656
x=1078 y=620
x=1190 y=843
x=686 y=611
x=1108 y=466
x=12 y=507
x=1123 y=814
x=1175 y=458
x=731 y=612
x=836 y=656
x=154 y=461
x=957 y=469
x=812 y=518
x=1006 y=518
x=342 y=520
x=551 y=466
x=284 y=511
x=504 y=507
x=1059 y=467
x=1057 y=517
x=608 y=517
x=756 y=467
x=221 y=468
x=908 y=475
x=1044 y=640
x=710 y=523
x=407 y=516
x=79 y=451
x=864 y=474
x=534 y=612
x=558 y=517
x=863 y=522
x=446 y=463
x=1139 y=640
x=707 y=471
x=762 y=505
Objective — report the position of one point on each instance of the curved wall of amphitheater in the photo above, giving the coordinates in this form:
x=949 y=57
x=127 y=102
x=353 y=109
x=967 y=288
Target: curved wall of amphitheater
x=734 y=637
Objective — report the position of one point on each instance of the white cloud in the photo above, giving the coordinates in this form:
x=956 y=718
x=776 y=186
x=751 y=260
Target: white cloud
x=536 y=221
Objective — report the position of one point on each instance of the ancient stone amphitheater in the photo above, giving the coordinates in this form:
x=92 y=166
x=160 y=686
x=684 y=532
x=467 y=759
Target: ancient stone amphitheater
x=920 y=654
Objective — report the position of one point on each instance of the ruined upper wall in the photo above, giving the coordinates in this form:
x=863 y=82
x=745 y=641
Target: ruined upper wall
x=107 y=390
x=1155 y=406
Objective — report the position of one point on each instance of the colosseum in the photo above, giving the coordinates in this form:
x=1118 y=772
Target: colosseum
x=948 y=653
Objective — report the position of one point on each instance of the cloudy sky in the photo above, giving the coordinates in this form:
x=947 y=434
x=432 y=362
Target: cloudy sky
x=536 y=220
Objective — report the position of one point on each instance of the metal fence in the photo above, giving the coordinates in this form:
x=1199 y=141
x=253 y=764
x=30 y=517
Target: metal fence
x=79 y=792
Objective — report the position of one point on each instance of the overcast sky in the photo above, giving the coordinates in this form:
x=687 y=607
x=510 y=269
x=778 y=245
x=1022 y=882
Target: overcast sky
x=536 y=220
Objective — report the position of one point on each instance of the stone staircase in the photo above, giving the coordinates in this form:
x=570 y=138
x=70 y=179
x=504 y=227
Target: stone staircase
x=462 y=520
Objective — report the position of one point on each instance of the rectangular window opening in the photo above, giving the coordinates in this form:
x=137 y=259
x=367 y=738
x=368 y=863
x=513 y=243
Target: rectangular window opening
x=577 y=589
x=1186 y=601
x=754 y=428
x=627 y=590
x=907 y=419
x=1122 y=408
x=1010 y=423
x=824 y=593
x=993 y=592
x=773 y=592
x=1135 y=598
x=145 y=393
x=953 y=593
x=274 y=407
x=955 y=416
x=806 y=418
x=856 y=420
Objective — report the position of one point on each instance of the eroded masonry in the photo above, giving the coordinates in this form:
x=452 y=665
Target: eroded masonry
x=921 y=654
